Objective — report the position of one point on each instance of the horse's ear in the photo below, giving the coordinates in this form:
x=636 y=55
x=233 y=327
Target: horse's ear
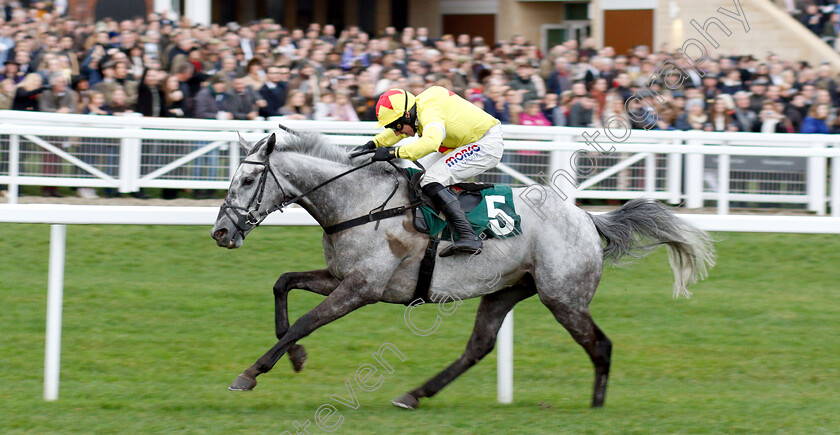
x=269 y=147
x=244 y=144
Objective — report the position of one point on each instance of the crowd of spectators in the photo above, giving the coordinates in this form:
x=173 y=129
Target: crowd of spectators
x=822 y=17
x=162 y=68
x=158 y=67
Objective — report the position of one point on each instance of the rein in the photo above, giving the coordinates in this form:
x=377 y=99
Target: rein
x=377 y=216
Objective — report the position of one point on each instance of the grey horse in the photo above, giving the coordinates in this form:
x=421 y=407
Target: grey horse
x=558 y=256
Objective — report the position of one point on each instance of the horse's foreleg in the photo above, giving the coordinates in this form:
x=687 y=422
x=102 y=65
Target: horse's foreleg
x=316 y=281
x=351 y=294
x=491 y=313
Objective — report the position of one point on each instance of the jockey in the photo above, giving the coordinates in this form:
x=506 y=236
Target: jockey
x=466 y=141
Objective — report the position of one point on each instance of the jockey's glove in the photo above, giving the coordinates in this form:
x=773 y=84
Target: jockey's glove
x=363 y=149
x=370 y=146
x=385 y=153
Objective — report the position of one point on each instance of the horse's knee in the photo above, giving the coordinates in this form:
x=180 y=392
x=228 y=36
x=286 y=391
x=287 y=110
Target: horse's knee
x=281 y=286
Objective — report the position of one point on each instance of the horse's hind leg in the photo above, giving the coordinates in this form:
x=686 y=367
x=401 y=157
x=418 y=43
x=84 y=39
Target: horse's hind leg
x=583 y=329
x=491 y=313
x=317 y=281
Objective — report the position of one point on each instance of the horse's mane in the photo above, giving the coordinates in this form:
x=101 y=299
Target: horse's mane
x=317 y=145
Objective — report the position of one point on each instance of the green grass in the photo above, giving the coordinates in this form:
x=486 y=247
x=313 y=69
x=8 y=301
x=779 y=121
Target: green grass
x=158 y=321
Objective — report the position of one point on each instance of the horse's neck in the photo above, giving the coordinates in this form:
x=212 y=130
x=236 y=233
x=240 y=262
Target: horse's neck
x=345 y=198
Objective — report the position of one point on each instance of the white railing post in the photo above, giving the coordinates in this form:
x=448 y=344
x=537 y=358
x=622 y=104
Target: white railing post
x=55 y=300
x=562 y=161
x=233 y=159
x=504 y=364
x=650 y=173
x=816 y=179
x=14 y=168
x=723 y=184
x=130 y=150
x=835 y=186
x=694 y=178
x=674 y=175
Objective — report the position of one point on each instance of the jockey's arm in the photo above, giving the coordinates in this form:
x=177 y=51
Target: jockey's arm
x=433 y=135
x=387 y=138
x=432 y=120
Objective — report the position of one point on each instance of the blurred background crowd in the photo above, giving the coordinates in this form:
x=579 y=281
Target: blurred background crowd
x=156 y=67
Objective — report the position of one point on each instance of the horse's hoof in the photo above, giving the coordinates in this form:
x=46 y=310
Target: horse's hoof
x=243 y=383
x=406 y=401
x=297 y=355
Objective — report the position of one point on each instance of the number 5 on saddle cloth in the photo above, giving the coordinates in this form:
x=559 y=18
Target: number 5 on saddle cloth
x=489 y=209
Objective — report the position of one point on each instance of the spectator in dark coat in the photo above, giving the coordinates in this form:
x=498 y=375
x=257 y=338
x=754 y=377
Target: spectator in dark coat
x=210 y=102
x=581 y=113
x=12 y=72
x=26 y=95
x=796 y=111
x=522 y=81
x=744 y=118
x=151 y=100
x=244 y=101
x=174 y=96
x=558 y=81
x=189 y=83
x=275 y=90
x=813 y=19
x=494 y=102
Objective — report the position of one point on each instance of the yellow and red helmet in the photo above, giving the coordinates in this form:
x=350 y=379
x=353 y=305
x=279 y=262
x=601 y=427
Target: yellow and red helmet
x=393 y=106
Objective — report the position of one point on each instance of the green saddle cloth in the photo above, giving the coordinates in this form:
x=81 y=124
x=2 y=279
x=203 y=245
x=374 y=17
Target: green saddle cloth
x=494 y=216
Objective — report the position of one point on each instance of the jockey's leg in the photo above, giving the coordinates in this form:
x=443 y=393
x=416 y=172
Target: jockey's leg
x=467 y=241
x=457 y=166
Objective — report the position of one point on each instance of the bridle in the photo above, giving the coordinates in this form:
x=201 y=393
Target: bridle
x=249 y=217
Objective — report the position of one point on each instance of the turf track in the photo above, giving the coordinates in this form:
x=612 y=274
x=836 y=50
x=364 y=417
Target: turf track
x=158 y=321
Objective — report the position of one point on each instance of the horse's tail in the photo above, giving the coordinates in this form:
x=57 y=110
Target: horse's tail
x=641 y=225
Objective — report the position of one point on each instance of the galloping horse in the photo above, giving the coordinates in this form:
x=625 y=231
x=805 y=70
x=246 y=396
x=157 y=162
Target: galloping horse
x=559 y=254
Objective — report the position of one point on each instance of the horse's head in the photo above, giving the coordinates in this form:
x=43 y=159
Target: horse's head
x=254 y=192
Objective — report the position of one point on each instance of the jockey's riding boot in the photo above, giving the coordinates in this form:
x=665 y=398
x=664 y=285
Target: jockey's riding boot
x=446 y=202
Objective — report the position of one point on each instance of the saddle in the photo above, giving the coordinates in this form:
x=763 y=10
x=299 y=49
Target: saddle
x=468 y=194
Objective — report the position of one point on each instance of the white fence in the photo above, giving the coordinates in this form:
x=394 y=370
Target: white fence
x=689 y=167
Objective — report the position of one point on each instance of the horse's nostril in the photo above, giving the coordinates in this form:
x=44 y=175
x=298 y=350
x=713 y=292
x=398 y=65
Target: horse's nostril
x=220 y=233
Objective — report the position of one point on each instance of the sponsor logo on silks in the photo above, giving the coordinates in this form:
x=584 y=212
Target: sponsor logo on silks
x=465 y=154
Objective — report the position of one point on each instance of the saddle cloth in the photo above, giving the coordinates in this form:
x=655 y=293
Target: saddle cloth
x=489 y=209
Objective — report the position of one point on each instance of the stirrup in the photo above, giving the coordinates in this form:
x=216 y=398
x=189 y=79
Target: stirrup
x=454 y=249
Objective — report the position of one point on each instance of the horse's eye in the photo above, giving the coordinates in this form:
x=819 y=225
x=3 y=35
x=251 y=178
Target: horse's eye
x=248 y=181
